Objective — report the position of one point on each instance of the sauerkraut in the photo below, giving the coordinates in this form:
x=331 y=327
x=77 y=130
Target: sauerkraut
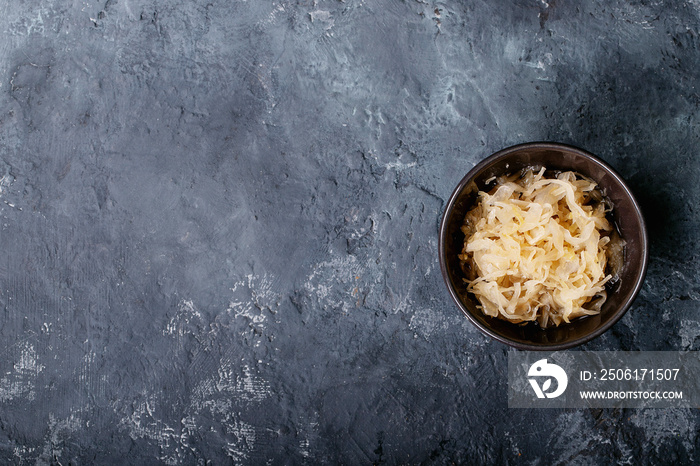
x=535 y=248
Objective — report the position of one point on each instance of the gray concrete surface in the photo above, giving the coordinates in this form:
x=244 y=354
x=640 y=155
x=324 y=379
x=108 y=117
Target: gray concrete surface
x=219 y=224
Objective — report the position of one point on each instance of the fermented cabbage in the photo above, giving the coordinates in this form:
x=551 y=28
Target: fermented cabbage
x=535 y=248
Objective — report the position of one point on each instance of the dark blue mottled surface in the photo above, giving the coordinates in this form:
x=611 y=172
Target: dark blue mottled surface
x=219 y=223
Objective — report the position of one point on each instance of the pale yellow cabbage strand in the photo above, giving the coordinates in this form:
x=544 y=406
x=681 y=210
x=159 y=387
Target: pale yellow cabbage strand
x=538 y=249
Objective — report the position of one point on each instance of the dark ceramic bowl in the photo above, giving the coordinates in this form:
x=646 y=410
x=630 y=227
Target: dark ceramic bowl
x=626 y=215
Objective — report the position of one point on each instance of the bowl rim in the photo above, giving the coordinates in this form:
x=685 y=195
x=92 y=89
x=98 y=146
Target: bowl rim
x=502 y=154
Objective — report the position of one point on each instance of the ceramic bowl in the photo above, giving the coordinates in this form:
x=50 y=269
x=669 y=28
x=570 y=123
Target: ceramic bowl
x=626 y=215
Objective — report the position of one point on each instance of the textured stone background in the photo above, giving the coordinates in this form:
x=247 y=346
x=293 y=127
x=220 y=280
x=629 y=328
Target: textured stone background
x=219 y=223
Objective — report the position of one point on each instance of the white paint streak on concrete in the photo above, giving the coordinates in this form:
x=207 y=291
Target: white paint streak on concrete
x=218 y=397
x=143 y=423
x=21 y=380
x=339 y=273
x=272 y=18
x=21 y=452
x=183 y=319
x=5 y=183
x=246 y=386
x=244 y=435
x=428 y=321
x=254 y=299
x=222 y=395
x=304 y=447
x=324 y=17
x=32 y=23
x=60 y=431
x=245 y=441
x=399 y=165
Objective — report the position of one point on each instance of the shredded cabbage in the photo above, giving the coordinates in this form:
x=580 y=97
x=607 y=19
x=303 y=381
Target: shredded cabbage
x=535 y=248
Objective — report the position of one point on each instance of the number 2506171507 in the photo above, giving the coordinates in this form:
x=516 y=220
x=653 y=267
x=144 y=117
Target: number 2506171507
x=639 y=374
